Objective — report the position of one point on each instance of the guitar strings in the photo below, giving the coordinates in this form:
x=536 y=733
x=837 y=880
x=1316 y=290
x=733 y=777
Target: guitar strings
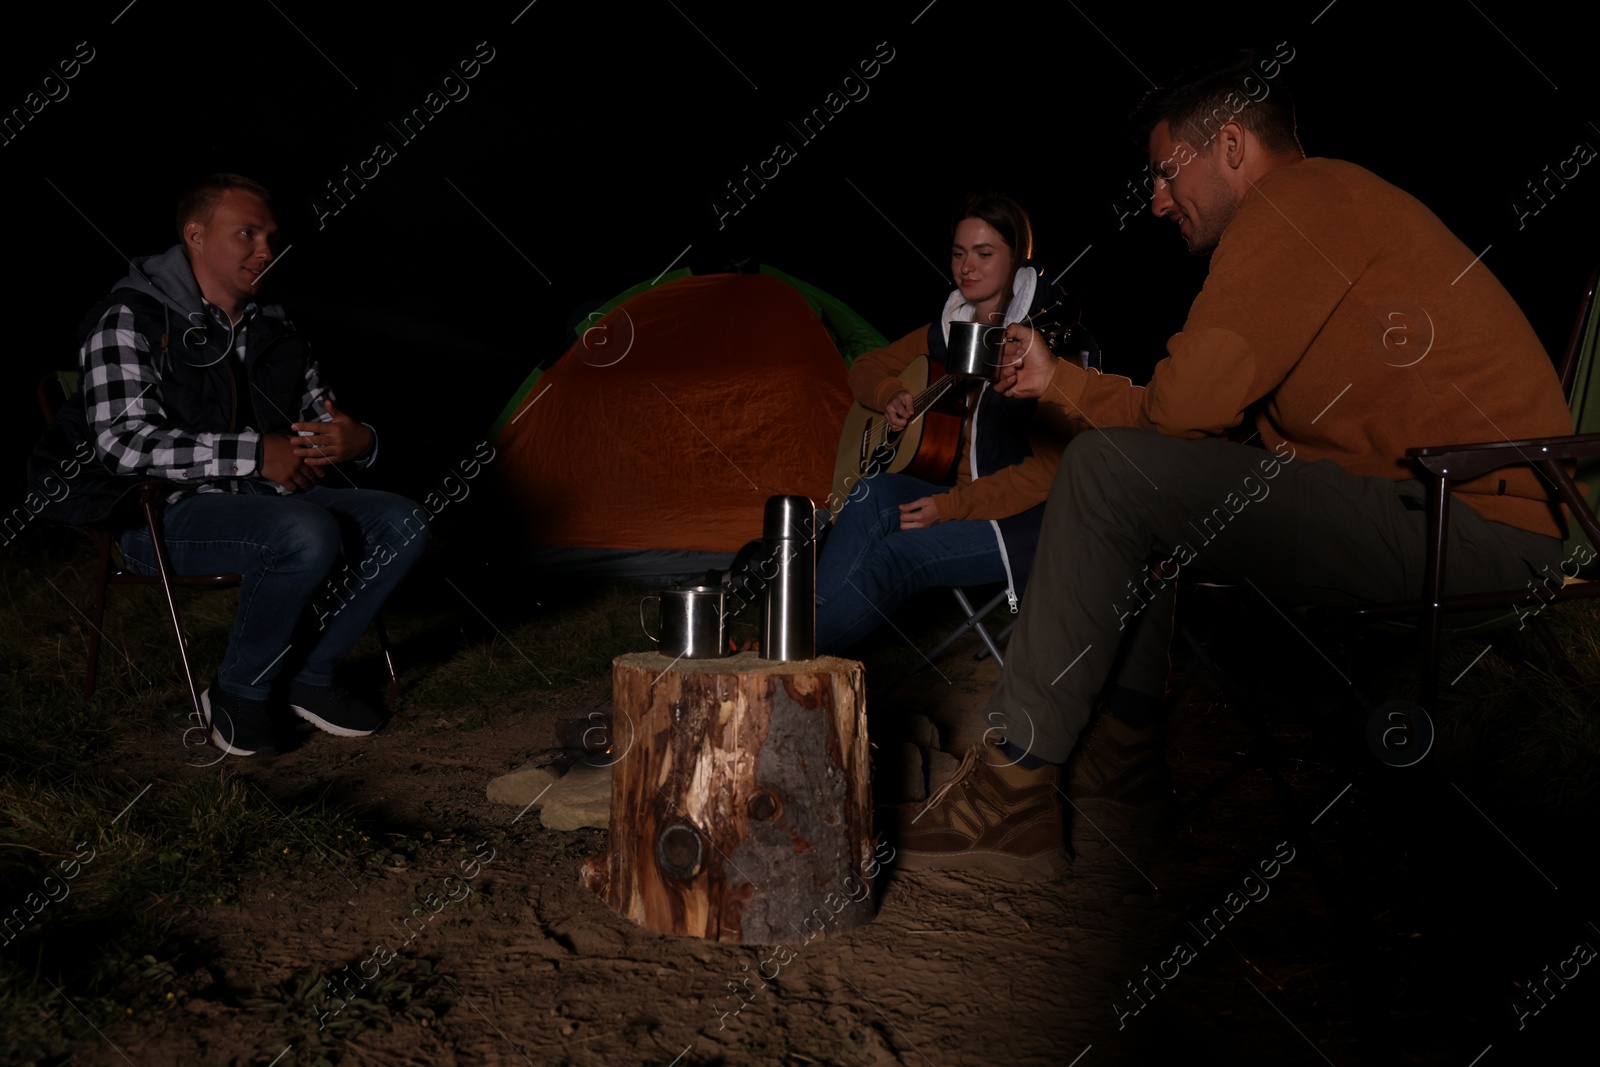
x=879 y=433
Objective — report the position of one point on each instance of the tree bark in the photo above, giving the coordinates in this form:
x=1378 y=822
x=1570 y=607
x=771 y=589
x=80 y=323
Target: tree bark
x=741 y=803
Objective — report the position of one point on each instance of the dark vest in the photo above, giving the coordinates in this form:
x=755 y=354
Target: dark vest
x=202 y=388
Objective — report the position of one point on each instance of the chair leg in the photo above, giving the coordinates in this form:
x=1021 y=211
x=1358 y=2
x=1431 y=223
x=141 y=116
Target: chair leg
x=977 y=625
x=1202 y=658
x=992 y=650
x=165 y=568
x=973 y=619
x=999 y=639
x=1433 y=617
x=102 y=577
x=388 y=658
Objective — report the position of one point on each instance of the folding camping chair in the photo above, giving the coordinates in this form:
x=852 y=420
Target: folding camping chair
x=140 y=504
x=972 y=620
x=1444 y=465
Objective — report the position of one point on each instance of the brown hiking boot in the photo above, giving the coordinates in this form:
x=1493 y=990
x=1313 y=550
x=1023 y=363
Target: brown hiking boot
x=992 y=815
x=1115 y=763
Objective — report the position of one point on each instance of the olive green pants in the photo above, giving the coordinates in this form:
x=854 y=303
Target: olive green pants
x=1129 y=502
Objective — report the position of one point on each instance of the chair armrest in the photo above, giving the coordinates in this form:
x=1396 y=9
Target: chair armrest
x=1459 y=463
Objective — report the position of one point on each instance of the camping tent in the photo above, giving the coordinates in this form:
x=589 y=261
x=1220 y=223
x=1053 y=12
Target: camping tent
x=651 y=446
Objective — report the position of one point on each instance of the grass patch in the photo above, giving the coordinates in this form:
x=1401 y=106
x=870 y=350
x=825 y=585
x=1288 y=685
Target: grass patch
x=497 y=657
x=97 y=880
x=319 y=1023
x=1515 y=723
x=102 y=873
x=45 y=598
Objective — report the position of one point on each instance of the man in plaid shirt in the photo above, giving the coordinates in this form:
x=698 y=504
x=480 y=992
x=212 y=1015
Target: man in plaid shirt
x=186 y=377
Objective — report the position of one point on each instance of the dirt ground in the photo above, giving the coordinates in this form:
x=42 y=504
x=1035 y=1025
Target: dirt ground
x=1349 y=951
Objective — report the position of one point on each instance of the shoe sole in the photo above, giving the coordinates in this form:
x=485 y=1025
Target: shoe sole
x=1042 y=867
x=323 y=724
x=216 y=735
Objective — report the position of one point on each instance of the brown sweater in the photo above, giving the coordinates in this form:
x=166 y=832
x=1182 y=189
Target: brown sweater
x=874 y=378
x=1358 y=326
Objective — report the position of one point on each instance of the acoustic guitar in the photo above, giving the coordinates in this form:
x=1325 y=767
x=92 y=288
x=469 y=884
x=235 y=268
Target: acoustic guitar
x=929 y=447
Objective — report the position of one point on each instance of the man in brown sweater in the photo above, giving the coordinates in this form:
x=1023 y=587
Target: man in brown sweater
x=1344 y=322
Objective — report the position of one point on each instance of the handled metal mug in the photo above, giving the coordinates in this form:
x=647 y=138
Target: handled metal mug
x=974 y=350
x=693 y=622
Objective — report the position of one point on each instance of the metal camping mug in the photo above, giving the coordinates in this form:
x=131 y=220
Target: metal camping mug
x=693 y=622
x=974 y=350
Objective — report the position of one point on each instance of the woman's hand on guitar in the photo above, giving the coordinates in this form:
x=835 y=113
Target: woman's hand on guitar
x=919 y=514
x=900 y=409
x=1026 y=364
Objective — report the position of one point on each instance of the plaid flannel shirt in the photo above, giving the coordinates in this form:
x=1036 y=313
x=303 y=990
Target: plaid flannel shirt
x=130 y=428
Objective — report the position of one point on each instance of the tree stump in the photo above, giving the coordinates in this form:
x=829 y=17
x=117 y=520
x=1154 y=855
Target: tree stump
x=741 y=798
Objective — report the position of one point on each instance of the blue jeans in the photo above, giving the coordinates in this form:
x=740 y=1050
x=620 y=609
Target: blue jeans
x=869 y=566
x=339 y=551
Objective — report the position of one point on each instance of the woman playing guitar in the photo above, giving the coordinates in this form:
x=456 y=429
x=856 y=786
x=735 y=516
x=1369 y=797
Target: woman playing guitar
x=975 y=524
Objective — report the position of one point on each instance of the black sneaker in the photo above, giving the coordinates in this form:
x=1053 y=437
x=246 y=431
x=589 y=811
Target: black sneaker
x=330 y=708
x=239 y=725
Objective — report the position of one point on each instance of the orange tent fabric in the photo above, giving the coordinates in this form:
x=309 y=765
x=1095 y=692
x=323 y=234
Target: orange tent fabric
x=669 y=423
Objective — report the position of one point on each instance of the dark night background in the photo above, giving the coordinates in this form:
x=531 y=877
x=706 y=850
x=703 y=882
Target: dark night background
x=598 y=135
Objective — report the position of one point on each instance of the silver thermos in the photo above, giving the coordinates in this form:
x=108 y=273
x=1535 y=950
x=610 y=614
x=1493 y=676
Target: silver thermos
x=788 y=542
